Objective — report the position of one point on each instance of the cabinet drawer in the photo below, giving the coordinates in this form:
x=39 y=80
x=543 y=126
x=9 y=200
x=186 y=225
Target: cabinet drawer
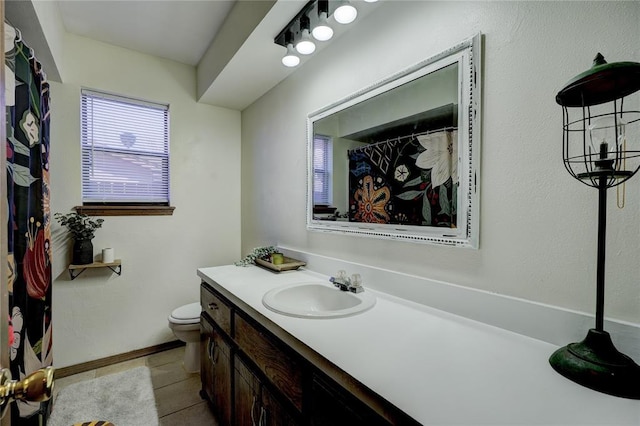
x=213 y=306
x=282 y=370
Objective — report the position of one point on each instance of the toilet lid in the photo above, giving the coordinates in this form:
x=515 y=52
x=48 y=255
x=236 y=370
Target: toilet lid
x=186 y=314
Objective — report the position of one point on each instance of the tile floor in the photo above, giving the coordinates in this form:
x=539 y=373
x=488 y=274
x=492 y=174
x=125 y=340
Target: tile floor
x=177 y=392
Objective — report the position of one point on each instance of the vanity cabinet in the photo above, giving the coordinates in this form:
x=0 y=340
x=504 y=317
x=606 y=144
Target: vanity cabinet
x=254 y=373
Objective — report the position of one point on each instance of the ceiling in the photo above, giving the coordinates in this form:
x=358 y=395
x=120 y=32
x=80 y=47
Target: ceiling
x=230 y=42
x=177 y=30
x=212 y=35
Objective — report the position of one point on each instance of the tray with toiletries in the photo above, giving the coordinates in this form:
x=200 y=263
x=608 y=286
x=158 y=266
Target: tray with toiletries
x=277 y=262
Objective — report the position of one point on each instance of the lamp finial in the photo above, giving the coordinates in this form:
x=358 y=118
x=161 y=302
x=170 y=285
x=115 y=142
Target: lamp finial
x=599 y=60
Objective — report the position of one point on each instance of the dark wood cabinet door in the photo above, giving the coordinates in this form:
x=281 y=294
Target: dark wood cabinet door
x=246 y=395
x=206 y=367
x=331 y=406
x=215 y=364
x=273 y=413
x=221 y=362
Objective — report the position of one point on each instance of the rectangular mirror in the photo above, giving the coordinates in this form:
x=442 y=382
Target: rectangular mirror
x=400 y=159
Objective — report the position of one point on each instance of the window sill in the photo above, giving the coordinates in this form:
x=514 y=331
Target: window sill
x=125 y=210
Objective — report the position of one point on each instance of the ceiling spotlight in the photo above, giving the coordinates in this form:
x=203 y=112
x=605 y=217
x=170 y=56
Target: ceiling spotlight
x=305 y=46
x=290 y=59
x=345 y=13
x=322 y=31
x=370 y=1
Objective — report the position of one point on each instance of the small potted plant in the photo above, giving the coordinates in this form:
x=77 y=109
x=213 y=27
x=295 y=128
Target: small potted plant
x=258 y=252
x=82 y=228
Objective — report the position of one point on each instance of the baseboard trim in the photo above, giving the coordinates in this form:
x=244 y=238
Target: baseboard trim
x=114 y=359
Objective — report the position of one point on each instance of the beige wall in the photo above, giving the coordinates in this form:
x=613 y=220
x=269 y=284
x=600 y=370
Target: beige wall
x=537 y=224
x=101 y=314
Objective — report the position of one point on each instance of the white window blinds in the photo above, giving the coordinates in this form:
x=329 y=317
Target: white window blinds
x=322 y=167
x=125 y=150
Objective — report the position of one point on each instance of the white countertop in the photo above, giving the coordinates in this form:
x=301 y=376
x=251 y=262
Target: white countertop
x=437 y=367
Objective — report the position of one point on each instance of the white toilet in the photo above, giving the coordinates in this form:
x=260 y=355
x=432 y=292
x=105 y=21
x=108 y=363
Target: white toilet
x=185 y=324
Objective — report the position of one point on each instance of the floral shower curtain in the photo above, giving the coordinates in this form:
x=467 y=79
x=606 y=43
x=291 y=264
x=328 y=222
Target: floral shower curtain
x=27 y=122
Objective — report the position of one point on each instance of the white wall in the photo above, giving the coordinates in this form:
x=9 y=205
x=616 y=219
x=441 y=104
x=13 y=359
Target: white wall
x=53 y=30
x=101 y=314
x=537 y=224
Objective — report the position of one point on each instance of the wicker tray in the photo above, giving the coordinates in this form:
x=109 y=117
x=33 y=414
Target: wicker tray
x=289 y=264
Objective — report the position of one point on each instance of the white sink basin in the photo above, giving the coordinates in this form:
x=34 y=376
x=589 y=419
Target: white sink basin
x=316 y=300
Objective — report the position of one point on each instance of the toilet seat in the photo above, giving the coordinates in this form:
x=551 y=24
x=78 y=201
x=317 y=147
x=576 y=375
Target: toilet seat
x=187 y=314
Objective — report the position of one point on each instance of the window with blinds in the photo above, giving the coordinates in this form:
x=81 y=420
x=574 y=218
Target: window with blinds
x=125 y=150
x=322 y=168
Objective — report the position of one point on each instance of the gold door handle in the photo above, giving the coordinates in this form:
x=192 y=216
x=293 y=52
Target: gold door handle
x=36 y=387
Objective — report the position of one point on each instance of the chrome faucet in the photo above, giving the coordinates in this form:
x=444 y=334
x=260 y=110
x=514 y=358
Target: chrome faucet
x=344 y=283
x=341 y=280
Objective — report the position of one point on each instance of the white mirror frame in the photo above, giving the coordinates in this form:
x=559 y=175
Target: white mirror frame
x=468 y=55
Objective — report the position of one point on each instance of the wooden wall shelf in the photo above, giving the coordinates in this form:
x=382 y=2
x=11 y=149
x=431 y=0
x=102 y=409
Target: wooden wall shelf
x=76 y=270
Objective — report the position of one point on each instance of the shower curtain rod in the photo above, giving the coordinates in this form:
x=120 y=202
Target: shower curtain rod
x=411 y=136
x=32 y=54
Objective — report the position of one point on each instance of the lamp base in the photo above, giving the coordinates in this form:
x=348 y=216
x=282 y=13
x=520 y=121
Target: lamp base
x=596 y=363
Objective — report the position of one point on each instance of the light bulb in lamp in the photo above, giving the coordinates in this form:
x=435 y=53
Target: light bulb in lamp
x=305 y=46
x=345 y=13
x=322 y=31
x=607 y=134
x=290 y=59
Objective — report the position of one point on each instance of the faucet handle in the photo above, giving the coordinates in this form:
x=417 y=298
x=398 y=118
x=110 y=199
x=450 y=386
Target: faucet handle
x=356 y=284
x=341 y=280
x=356 y=280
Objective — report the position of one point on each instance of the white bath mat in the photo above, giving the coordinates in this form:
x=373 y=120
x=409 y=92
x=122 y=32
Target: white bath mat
x=124 y=399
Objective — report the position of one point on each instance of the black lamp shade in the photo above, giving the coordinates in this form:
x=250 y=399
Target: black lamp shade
x=601 y=83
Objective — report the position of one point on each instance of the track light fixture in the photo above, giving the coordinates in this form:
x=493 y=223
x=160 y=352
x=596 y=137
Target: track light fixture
x=313 y=19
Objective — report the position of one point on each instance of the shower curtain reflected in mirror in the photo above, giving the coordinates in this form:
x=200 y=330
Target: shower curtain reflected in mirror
x=29 y=281
x=407 y=180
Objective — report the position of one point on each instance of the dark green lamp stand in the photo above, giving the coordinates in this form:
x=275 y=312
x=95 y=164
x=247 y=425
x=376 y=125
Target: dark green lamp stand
x=598 y=151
